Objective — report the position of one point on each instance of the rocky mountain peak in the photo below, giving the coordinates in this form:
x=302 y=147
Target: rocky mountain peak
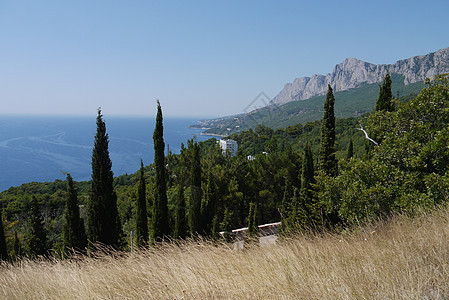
x=352 y=72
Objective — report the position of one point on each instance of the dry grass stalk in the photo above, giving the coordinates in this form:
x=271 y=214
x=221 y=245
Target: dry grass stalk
x=404 y=259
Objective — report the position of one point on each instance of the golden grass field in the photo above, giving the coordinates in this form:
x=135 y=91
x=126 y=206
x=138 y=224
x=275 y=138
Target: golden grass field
x=403 y=259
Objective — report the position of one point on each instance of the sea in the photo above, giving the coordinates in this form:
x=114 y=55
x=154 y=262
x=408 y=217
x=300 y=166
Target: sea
x=45 y=148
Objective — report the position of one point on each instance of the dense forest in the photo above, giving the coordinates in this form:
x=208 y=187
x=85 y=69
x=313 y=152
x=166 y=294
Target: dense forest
x=326 y=174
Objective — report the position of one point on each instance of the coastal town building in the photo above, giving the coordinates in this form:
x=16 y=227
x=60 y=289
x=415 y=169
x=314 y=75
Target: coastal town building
x=229 y=146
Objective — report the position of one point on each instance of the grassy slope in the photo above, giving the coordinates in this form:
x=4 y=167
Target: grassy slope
x=403 y=259
x=349 y=103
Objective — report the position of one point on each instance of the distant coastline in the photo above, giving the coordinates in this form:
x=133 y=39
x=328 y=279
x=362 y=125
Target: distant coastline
x=212 y=134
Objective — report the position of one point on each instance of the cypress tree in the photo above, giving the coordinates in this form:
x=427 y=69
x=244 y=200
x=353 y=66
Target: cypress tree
x=73 y=233
x=141 y=217
x=102 y=214
x=252 y=220
x=214 y=228
x=159 y=221
x=227 y=224
x=36 y=238
x=384 y=101
x=195 y=188
x=17 y=246
x=208 y=205
x=3 y=248
x=328 y=162
x=180 y=231
x=350 y=152
x=308 y=200
x=286 y=206
x=297 y=215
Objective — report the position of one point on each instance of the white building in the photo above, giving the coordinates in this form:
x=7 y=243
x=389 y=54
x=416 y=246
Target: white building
x=230 y=146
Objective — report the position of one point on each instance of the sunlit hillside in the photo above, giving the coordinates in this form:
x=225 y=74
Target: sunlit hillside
x=404 y=259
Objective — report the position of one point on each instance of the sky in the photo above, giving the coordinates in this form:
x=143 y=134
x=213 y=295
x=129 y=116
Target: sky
x=199 y=58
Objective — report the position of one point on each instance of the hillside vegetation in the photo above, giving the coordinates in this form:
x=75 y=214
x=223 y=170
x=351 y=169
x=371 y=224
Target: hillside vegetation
x=406 y=258
x=351 y=103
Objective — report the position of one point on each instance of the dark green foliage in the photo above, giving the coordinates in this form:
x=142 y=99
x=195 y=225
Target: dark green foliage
x=385 y=99
x=159 y=221
x=102 y=214
x=180 y=230
x=350 y=152
x=17 y=250
x=208 y=205
x=215 y=228
x=307 y=182
x=328 y=162
x=407 y=171
x=141 y=214
x=252 y=220
x=297 y=217
x=227 y=225
x=73 y=233
x=3 y=248
x=195 y=189
x=36 y=236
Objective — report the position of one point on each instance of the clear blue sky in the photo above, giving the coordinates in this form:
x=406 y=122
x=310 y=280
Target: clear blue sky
x=199 y=58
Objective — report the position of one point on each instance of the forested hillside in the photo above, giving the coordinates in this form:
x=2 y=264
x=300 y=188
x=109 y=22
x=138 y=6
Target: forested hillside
x=285 y=178
x=351 y=103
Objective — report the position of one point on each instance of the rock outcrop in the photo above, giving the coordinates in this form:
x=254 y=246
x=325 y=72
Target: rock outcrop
x=353 y=72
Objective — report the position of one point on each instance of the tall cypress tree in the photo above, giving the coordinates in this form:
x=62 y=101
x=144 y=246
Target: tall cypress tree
x=328 y=162
x=384 y=101
x=180 y=230
x=3 y=248
x=36 y=237
x=141 y=217
x=298 y=217
x=16 y=246
x=103 y=221
x=307 y=180
x=208 y=205
x=252 y=220
x=195 y=188
x=350 y=152
x=73 y=233
x=159 y=221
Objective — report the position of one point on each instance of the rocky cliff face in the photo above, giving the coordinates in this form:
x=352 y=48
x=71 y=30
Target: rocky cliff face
x=353 y=72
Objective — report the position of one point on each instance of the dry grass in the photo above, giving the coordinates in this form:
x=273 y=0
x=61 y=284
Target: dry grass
x=404 y=259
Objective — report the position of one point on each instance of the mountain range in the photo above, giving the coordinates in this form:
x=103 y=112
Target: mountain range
x=355 y=85
x=352 y=72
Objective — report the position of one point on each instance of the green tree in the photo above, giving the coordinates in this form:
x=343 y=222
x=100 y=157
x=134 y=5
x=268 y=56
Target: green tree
x=307 y=182
x=195 y=188
x=102 y=215
x=227 y=224
x=252 y=220
x=328 y=162
x=208 y=205
x=159 y=221
x=3 y=248
x=180 y=214
x=141 y=216
x=73 y=233
x=298 y=217
x=385 y=99
x=36 y=237
x=350 y=152
x=17 y=247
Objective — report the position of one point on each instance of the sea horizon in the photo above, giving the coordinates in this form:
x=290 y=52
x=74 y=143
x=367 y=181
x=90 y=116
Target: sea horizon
x=42 y=148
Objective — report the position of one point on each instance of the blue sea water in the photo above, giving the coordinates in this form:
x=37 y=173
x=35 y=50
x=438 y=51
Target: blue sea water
x=41 y=148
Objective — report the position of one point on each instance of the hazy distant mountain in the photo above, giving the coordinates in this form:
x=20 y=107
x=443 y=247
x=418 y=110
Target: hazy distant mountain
x=352 y=72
